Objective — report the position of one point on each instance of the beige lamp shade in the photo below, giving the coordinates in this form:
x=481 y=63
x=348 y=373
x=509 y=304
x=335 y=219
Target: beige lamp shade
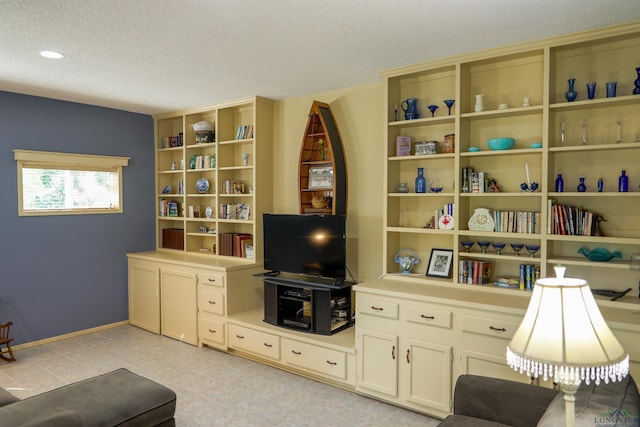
x=563 y=336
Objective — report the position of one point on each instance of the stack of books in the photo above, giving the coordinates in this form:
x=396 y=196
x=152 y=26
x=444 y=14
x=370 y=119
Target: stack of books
x=475 y=272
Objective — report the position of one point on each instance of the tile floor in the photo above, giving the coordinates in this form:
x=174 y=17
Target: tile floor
x=213 y=388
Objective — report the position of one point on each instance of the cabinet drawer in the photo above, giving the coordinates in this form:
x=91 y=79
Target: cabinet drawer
x=377 y=307
x=261 y=343
x=210 y=300
x=314 y=358
x=210 y=329
x=426 y=315
x=211 y=279
x=501 y=327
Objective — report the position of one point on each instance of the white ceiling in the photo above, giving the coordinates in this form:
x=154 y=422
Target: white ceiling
x=155 y=56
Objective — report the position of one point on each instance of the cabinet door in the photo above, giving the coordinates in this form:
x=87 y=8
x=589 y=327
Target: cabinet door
x=378 y=362
x=426 y=379
x=179 y=306
x=144 y=296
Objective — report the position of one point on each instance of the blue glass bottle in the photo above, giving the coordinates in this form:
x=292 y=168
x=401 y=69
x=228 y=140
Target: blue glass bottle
x=623 y=182
x=559 y=184
x=421 y=182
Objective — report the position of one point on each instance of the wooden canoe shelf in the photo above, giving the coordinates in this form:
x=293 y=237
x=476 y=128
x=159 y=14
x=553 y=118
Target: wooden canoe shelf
x=322 y=170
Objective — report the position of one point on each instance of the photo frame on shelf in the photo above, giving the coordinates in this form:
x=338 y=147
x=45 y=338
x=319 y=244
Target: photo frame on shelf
x=321 y=176
x=440 y=263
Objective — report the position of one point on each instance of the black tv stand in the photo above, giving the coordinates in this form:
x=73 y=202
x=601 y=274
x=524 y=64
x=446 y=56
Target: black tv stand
x=306 y=303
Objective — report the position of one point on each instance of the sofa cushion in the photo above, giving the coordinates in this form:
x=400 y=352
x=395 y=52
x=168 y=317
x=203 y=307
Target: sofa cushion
x=613 y=404
x=7 y=398
x=117 y=398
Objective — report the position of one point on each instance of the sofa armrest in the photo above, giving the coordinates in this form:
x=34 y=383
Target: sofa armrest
x=503 y=401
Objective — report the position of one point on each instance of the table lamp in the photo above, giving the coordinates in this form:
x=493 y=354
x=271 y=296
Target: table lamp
x=563 y=336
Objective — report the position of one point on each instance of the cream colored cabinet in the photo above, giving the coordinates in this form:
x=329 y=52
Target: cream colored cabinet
x=178 y=307
x=211 y=310
x=144 y=296
x=404 y=352
x=188 y=298
x=485 y=336
x=254 y=341
x=327 y=358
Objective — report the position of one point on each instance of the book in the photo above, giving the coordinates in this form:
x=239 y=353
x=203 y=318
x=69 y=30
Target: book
x=403 y=146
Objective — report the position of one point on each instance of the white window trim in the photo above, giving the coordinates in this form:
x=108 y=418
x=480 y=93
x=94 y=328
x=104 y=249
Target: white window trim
x=46 y=159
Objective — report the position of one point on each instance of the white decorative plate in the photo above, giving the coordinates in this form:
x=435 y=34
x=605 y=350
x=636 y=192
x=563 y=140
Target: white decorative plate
x=202 y=185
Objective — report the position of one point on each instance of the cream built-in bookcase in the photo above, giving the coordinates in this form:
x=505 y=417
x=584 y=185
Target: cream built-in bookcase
x=254 y=116
x=539 y=71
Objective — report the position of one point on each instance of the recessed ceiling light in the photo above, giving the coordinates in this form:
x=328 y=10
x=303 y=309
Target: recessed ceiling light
x=51 y=54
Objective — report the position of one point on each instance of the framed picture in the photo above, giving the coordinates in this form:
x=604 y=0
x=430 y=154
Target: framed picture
x=321 y=176
x=440 y=263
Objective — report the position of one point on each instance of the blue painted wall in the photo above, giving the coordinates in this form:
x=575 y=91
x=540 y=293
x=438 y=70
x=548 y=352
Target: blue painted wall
x=60 y=274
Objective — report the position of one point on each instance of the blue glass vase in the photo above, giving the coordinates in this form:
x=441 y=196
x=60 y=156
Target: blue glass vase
x=571 y=94
x=421 y=182
x=582 y=187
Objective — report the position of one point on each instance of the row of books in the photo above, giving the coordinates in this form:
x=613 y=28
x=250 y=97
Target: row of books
x=236 y=244
x=172 y=141
x=234 y=211
x=570 y=220
x=517 y=222
x=474 y=182
x=169 y=208
x=529 y=273
x=475 y=272
x=245 y=132
x=204 y=162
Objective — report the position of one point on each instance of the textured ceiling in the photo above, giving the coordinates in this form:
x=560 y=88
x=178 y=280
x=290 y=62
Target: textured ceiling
x=155 y=56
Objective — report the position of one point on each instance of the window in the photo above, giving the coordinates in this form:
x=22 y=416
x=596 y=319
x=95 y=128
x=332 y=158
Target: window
x=66 y=184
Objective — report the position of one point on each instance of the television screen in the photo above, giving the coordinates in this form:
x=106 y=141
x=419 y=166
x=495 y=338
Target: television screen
x=305 y=244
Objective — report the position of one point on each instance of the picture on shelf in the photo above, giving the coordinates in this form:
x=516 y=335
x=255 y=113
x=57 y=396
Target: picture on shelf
x=440 y=263
x=321 y=177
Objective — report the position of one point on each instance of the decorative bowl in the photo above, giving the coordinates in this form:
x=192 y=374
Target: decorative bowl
x=202 y=125
x=536 y=145
x=501 y=143
x=320 y=202
x=473 y=149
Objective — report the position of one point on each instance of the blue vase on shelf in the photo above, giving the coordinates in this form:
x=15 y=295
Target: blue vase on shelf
x=571 y=94
x=582 y=187
x=421 y=182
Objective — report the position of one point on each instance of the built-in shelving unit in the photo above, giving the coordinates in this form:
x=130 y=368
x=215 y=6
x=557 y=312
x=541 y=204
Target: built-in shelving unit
x=230 y=174
x=538 y=71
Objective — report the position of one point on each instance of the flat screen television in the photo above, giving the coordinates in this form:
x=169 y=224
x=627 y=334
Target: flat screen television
x=313 y=245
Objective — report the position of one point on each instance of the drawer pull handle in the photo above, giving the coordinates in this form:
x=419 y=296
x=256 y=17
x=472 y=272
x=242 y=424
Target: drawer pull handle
x=212 y=302
x=332 y=363
x=373 y=307
x=427 y=317
x=213 y=331
x=268 y=345
x=211 y=280
x=239 y=337
x=297 y=353
x=393 y=352
x=408 y=360
x=497 y=329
